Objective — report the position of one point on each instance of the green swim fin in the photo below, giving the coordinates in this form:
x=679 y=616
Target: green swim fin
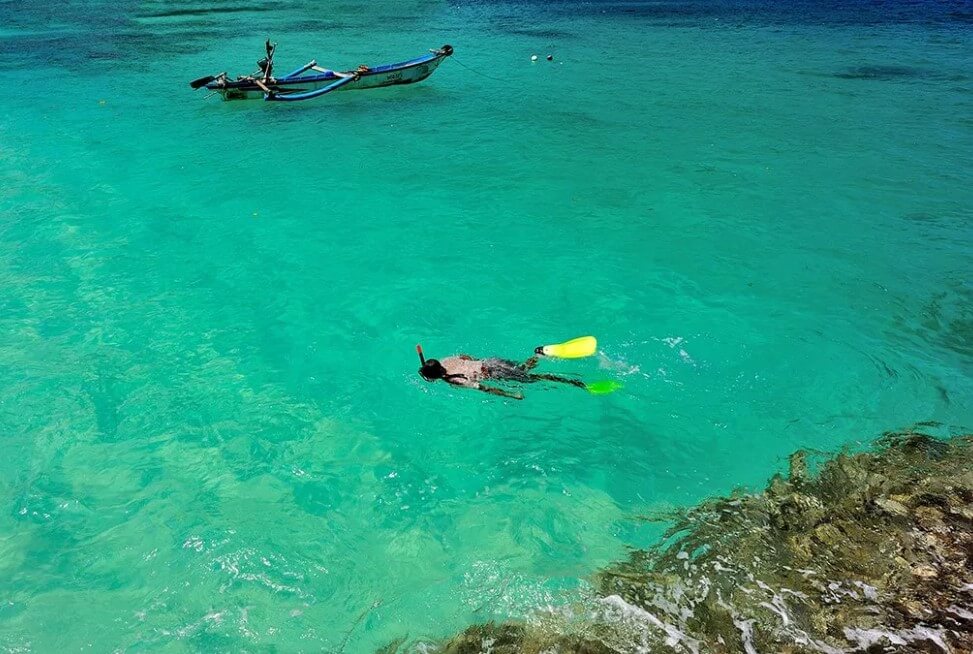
x=603 y=387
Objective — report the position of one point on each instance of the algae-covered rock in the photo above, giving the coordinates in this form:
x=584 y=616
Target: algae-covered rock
x=892 y=506
x=872 y=554
x=517 y=639
x=496 y=638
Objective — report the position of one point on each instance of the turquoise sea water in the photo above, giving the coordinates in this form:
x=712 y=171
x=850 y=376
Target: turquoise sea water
x=213 y=435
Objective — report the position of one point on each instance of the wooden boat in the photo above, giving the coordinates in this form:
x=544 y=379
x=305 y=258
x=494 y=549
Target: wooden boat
x=311 y=81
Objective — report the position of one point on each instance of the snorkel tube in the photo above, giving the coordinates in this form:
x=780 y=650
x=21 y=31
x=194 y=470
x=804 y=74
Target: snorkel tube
x=431 y=369
x=427 y=369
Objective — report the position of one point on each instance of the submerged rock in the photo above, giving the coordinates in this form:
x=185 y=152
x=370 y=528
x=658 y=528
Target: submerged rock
x=892 y=506
x=872 y=554
x=517 y=639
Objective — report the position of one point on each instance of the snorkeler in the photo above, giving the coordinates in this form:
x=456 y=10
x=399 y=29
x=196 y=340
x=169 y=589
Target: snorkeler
x=463 y=370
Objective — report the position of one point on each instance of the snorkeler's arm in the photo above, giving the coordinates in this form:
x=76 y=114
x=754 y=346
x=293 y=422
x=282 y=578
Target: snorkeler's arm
x=498 y=391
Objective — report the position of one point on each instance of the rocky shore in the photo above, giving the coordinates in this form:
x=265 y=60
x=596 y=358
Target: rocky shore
x=865 y=552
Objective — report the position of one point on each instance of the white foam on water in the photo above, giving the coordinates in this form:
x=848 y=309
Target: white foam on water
x=746 y=634
x=674 y=636
x=960 y=612
x=866 y=638
x=620 y=366
x=779 y=611
x=870 y=592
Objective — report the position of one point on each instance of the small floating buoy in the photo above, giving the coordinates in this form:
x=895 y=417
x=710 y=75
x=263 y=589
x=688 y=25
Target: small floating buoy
x=533 y=57
x=550 y=57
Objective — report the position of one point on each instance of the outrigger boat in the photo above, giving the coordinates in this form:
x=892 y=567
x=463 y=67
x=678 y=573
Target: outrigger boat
x=311 y=81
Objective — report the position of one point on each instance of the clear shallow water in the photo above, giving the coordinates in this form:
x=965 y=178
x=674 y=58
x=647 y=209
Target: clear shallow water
x=213 y=434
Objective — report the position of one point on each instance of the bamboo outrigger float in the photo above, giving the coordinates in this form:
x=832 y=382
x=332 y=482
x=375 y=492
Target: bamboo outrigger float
x=311 y=81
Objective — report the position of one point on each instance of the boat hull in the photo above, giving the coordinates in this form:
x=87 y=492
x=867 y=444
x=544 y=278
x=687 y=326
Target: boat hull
x=408 y=72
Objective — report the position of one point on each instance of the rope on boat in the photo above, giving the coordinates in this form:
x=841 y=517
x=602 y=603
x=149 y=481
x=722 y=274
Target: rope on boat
x=495 y=79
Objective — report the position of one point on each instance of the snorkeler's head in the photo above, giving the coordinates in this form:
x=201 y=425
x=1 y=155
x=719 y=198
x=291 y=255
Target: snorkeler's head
x=432 y=370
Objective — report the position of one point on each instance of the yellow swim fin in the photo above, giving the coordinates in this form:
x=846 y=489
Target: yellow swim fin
x=576 y=348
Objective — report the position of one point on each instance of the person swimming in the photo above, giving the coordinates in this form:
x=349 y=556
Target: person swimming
x=467 y=372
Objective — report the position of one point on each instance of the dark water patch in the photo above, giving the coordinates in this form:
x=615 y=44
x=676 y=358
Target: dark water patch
x=106 y=55
x=962 y=16
x=541 y=33
x=883 y=367
x=87 y=53
x=942 y=322
x=104 y=400
x=772 y=12
x=35 y=16
x=537 y=28
x=922 y=217
x=949 y=216
x=45 y=35
x=885 y=73
x=316 y=25
x=947 y=320
x=208 y=11
x=72 y=35
x=572 y=120
x=666 y=10
x=891 y=73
